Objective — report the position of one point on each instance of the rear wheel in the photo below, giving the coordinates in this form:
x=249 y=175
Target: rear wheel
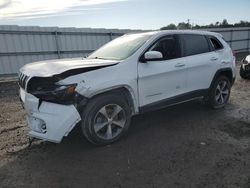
x=220 y=92
x=106 y=119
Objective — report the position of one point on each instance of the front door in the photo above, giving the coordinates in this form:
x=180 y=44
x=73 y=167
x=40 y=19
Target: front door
x=164 y=78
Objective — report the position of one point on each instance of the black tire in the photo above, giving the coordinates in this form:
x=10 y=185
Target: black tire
x=242 y=73
x=213 y=99
x=91 y=114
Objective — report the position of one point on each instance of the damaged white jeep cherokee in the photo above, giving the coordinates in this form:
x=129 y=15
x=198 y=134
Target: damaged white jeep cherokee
x=132 y=74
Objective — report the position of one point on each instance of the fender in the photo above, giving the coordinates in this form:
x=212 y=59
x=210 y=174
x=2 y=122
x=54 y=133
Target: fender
x=83 y=90
x=220 y=71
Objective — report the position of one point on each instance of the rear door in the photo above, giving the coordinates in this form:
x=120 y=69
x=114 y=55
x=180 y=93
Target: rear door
x=202 y=61
x=163 y=78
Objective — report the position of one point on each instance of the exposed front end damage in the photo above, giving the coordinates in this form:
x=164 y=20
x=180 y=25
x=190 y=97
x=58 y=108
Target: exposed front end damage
x=52 y=103
x=47 y=120
x=51 y=108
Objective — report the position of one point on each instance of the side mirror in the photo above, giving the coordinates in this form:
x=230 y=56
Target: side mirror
x=153 y=55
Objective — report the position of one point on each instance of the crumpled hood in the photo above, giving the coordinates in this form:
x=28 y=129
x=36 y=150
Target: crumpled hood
x=58 y=66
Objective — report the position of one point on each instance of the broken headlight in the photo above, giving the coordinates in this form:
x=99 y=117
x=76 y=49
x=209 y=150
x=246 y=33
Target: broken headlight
x=62 y=94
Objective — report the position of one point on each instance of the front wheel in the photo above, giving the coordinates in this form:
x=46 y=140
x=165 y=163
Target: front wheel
x=106 y=119
x=220 y=92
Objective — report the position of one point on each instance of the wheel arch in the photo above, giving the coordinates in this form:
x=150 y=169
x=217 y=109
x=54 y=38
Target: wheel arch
x=225 y=72
x=126 y=91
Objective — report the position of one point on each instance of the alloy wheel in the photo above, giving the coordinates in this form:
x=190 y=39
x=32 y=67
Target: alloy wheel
x=109 y=121
x=222 y=92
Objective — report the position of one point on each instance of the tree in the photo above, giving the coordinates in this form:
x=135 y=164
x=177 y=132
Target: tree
x=223 y=24
x=169 y=27
x=184 y=25
x=242 y=24
x=196 y=27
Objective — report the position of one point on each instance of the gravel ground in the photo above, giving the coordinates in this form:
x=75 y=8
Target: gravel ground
x=188 y=145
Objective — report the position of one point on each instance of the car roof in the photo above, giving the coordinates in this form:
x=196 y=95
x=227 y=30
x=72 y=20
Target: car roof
x=165 y=32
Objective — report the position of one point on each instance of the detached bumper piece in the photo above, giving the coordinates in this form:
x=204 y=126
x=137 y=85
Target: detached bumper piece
x=49 y=121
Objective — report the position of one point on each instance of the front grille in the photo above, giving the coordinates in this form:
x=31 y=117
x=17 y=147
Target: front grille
x=22 y=80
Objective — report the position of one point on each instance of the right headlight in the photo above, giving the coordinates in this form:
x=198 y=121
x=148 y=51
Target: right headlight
x=63 y=94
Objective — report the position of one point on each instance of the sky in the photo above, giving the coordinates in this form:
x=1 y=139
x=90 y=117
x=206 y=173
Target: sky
x=122 y=14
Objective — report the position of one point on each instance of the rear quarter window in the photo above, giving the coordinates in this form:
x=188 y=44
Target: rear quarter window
x=215 y=43
x=194 y=44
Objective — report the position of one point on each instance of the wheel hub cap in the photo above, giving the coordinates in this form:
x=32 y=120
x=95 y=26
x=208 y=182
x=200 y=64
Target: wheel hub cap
x=109 y=121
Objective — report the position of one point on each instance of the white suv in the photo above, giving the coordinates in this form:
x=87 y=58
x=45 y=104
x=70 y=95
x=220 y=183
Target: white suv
x=132 y=74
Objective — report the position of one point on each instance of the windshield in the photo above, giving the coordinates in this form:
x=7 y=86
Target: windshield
x=121 y=48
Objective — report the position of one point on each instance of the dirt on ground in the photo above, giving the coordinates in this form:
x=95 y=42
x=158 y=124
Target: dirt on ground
x=188 y=145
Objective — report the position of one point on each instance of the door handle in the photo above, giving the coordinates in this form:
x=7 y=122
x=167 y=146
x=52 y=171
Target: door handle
x=180 y=65
x=213 y=58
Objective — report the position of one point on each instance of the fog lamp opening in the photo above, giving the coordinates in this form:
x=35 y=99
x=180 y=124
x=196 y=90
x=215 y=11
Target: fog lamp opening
x=37 y=125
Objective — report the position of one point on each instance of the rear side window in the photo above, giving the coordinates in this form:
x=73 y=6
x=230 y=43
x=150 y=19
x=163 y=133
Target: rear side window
x=194 y=44
x=215 y=43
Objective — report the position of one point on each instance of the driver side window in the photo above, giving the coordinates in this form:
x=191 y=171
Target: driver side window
x=167 y=46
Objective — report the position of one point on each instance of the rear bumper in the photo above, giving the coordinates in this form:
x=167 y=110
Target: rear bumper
x=49 y=121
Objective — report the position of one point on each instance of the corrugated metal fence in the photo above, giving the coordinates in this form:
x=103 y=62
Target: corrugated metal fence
x=20 y=45
x=238 y=38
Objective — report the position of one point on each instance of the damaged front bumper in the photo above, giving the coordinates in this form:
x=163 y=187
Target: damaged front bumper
x=49 y=121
